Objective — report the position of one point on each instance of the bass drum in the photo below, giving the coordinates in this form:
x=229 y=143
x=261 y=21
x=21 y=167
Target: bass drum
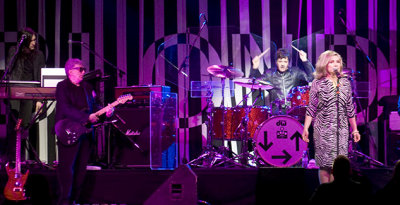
x=279 y=141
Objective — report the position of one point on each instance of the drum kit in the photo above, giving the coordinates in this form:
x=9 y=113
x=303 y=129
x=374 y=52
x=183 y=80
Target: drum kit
x=276 y=140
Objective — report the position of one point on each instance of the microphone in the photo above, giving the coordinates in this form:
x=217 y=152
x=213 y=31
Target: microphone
x=337 y=73
x=71 y=42
x=23 y=37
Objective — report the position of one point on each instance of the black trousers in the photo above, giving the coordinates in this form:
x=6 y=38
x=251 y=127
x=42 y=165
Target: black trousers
x=71 y=169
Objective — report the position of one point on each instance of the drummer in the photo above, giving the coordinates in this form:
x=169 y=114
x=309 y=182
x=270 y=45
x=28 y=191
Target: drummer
x=284 y=77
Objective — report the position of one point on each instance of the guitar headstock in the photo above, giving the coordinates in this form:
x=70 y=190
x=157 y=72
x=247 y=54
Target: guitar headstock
x=123 y=98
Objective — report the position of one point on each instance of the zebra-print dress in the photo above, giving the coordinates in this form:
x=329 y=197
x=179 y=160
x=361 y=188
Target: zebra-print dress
x=329 y=141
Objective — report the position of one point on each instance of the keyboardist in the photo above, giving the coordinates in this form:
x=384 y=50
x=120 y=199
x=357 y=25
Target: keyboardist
x=26 y=66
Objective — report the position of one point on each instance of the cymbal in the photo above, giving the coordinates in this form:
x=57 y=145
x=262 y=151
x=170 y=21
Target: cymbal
x=253 y=83
x=350 y=71
x=222 y=71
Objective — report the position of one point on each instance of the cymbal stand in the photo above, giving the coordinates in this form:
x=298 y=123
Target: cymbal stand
x=372 y=64
x=224 y=149
x=245 y=156
x=210 y=156
x=353 y=153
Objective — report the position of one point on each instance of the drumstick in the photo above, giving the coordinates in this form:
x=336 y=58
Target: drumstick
x=263 y=53
x=295 y=48
x=256 y=60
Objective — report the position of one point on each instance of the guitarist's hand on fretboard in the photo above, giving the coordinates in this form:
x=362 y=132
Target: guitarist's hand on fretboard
x=110 y=110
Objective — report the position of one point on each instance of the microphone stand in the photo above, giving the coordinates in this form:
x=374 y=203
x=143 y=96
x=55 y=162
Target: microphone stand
x=121 y=72
x=357 y=45
x=183 y=65
x=337 y=115
x=4 y=78
x=11 y=62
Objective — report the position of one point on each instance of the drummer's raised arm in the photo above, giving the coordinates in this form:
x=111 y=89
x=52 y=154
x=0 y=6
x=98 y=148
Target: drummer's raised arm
x=309 y=70
x=255 y=73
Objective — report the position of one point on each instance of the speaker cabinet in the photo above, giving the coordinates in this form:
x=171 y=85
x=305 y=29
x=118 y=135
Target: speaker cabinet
x=179 y=188
x=392 y=147
x=131 y=141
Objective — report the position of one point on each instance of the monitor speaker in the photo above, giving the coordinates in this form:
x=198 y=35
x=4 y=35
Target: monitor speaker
x=179 y=188
x=392 y=147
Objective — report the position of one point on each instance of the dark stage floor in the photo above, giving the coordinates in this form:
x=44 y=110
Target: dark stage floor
x=215 y=185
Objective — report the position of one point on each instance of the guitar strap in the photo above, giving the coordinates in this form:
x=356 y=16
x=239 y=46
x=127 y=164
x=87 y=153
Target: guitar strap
x=89 y=102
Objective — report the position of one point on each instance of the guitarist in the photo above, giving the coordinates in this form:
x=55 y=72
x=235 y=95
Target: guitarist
x=76 y=102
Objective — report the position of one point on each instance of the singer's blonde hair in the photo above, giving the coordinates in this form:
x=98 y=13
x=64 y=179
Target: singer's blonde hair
x=323 y=61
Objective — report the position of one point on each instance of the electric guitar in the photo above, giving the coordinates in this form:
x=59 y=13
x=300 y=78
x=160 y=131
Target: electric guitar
x=68 y=131
x=14 y=189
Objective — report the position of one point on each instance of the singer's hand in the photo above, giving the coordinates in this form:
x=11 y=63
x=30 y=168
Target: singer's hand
x=305 y=136
x=356 y=137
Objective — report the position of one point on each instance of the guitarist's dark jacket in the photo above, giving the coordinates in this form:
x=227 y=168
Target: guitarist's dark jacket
x=74 y=102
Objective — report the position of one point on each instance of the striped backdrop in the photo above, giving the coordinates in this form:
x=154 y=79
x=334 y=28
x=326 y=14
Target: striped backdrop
x=149 y=41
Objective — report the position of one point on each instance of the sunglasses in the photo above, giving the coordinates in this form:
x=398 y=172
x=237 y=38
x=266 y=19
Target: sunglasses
x=81 y=69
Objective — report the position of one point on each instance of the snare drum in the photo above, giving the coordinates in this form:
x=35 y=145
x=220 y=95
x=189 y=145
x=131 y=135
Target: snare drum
x=298 y=97
x=233 y=121
x=279 y=141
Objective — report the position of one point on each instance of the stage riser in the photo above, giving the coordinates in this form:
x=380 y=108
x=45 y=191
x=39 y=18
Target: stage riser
x=216 y=186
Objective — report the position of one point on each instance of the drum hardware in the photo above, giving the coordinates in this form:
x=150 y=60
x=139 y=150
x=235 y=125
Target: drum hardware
x=245 y=119
x=233 y=121
x=221 y=71
x=279 y=107
x=298 y=98
x=224 y=72
x=212 y=157
x=254 y=84
x=353 y=153
x=224 y=150
x=371 y=63
x=350 y=73
x=245 y=155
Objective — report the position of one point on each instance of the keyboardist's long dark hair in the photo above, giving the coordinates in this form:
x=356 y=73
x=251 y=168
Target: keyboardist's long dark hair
x=29 y=33
x=25 y=55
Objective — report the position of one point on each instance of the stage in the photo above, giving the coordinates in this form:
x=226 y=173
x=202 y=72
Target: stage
x=213 y=185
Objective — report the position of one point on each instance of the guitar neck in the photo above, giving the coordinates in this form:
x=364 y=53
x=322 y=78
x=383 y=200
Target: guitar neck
x=104 y=109
x=18 y=153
